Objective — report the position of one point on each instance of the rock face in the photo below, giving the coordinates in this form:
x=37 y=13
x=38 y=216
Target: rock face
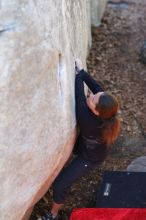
x=39 y=41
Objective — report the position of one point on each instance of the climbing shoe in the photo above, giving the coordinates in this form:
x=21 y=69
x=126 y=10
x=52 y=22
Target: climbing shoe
x=48 y=216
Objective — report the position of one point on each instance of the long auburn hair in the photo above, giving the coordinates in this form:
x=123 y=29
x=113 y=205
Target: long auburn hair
x=107 y=107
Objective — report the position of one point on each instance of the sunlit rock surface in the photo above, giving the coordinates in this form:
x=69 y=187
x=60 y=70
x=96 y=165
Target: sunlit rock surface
x=39 y=41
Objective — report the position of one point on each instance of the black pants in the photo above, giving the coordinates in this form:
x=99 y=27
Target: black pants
x=74 y=171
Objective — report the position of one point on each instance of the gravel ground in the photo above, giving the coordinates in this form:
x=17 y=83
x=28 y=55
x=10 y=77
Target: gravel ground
x=115 y=61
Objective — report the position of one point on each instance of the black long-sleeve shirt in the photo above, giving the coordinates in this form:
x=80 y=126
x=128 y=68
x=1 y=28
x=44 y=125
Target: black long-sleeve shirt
x=89 y=141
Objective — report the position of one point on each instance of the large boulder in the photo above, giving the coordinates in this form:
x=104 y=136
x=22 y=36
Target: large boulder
x=97 y=10
x=39 y=41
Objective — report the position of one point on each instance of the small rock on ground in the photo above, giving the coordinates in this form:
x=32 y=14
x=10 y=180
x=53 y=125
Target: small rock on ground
x=138 y=165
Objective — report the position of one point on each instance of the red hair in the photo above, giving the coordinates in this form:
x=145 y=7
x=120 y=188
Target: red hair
x=107 y=107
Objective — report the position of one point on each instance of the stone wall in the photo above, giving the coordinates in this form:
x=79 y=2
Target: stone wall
x=39 y=41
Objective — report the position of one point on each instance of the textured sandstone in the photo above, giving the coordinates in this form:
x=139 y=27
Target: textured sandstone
x=39 y=41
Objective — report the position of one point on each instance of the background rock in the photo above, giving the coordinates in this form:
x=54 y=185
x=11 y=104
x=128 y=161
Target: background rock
x=97 y=9
x=138 y=165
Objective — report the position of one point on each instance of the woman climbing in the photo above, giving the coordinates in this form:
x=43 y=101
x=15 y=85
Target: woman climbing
x=99 y=128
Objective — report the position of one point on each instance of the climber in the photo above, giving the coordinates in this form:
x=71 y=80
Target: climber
x=99 y=127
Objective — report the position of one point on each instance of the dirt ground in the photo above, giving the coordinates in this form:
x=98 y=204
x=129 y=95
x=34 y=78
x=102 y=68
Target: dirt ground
x=115 y=61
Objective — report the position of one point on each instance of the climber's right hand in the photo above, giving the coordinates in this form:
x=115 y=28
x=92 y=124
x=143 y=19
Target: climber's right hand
x=78 y=65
